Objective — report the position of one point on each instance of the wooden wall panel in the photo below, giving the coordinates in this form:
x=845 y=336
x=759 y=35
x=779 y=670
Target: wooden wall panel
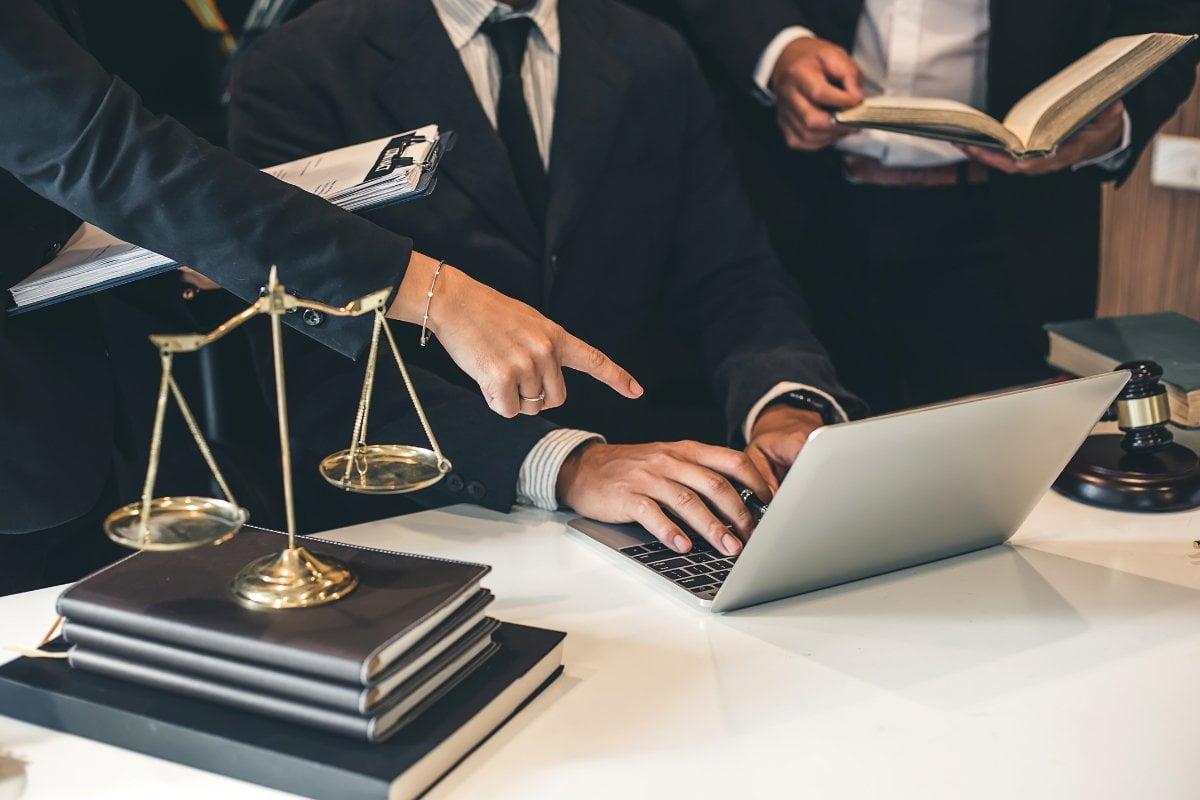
x=1150 y=245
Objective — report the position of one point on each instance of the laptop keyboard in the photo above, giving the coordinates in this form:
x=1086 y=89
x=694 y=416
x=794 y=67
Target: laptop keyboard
x=701 y=571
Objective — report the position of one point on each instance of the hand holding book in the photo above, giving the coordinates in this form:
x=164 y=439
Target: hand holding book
x=1046 y=119
x=811 y=77
x=1102 y=135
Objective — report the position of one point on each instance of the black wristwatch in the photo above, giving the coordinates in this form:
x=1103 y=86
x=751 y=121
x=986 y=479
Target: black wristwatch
x=811 y=401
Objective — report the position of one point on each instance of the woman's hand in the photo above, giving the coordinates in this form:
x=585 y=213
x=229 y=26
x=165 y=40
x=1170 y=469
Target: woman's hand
x=514 y=353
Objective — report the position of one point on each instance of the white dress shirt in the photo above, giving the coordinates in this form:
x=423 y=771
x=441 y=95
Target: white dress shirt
x=918 y=48
x=463 y=19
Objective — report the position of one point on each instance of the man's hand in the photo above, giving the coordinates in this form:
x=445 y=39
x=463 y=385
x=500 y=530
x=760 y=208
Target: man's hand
x=812 y=76
x=515 y=354
x=639 y=483
x=775 y=441
x=196 y=280
x=1100 y=136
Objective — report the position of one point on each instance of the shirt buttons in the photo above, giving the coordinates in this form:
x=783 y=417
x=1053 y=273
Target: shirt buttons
x=476 y=490
x=454 y=483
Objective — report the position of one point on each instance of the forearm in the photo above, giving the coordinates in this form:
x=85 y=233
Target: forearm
x=84 y=141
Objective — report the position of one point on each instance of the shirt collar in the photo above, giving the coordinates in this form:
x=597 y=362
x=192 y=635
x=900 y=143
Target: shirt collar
x=463 y=18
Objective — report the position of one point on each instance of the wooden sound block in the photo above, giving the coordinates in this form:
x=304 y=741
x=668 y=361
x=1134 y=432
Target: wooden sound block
x=1104 y=474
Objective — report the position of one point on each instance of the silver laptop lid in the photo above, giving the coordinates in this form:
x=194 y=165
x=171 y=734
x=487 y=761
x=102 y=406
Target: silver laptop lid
x=890 y=492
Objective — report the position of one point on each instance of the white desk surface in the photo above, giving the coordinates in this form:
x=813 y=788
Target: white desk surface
x=1061 y=667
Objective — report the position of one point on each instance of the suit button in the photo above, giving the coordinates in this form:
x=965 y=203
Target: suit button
x=454 y=483
x=476 y=490
x=312 y=317
x=51 y=251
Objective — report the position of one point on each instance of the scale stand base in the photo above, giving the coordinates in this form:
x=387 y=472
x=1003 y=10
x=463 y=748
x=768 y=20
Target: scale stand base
x=1104 y=474
x=294 y=578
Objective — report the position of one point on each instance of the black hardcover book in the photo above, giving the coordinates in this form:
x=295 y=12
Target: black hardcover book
x=184 y=598
x=285 y=756
x=402 y=707
x=467 y=625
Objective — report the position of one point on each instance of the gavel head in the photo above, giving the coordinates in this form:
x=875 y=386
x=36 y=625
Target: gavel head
x=1142 y=408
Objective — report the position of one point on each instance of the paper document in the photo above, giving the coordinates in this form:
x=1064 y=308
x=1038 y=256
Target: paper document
x=368 y=175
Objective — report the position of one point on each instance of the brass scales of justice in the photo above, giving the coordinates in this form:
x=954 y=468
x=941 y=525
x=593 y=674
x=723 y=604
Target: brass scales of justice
x=294 y=577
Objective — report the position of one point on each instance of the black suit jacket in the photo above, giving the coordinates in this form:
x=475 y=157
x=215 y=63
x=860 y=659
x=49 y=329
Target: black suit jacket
x=73 y=137
x=648 y=235
x=1050 y=224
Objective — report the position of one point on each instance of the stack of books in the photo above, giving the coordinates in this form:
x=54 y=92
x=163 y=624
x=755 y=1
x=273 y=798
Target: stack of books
x=409 y=659
x=364 y=176
x=1090 y=346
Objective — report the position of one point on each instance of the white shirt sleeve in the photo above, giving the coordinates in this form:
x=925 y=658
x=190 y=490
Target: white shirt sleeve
x=777 y=391
x=1114 y=159
x=766 y=62
x=538 y=476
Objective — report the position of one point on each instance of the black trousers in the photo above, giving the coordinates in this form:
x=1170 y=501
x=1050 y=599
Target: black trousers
x=910 y=295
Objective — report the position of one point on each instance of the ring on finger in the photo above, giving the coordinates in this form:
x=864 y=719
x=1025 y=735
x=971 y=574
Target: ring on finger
x=541 y=398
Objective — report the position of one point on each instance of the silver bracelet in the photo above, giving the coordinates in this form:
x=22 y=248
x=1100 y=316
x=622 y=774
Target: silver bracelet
x=425 y=334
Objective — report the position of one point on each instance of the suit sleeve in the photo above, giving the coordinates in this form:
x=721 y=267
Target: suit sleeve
x=82 y=139
x=738 y=32
x=1154 y=102
x=279 y=114
x=727 y=287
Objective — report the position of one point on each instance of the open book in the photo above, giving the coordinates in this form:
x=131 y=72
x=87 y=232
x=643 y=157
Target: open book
x=1045 y=117
x=362 y=176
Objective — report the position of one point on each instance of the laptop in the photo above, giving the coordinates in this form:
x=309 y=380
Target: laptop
x=883 y=494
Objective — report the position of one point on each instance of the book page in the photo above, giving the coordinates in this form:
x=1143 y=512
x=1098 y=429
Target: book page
x=1080 y=105
x=325 y=174
x=1025 y=115
x=928 y=116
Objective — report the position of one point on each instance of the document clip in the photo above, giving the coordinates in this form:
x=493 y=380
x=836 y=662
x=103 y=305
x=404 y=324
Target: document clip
x=291 y=578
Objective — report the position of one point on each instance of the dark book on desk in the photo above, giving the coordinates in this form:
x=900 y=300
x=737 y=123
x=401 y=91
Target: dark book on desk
x=398 y=709
x=278 y=754
x=1090 y=346
x=1044 y=118
x=184 y=598
x=402 y=677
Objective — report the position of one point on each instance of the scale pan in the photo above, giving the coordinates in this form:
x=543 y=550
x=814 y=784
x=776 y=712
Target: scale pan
x=385 y=469
x=175 y=523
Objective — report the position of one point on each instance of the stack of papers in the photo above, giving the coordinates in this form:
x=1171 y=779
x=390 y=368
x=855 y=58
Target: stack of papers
x=363 y=176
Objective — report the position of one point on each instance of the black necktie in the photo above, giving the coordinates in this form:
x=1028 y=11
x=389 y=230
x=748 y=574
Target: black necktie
x=512 y=115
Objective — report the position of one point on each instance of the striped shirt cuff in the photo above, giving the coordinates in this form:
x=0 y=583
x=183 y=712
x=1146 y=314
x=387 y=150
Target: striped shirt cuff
x=538 y=475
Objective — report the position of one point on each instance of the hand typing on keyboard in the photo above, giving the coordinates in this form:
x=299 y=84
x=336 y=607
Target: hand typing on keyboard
x=648 y=483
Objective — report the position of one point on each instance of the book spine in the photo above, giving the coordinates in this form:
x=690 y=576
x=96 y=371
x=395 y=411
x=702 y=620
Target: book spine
x=210 y=640
x=204 y=689
x=350 y=698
